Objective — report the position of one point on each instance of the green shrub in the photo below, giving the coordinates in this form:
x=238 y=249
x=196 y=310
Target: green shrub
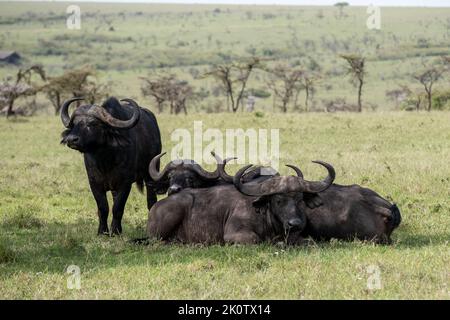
x=261 y=93
x=441 y=100
x=23 y=217
x=6 y=254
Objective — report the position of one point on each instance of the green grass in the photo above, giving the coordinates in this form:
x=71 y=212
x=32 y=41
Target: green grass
x=48 y=217
x=176 y=38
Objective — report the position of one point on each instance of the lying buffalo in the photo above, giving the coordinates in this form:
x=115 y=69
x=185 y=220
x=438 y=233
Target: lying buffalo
x=222 y=214
x=118 y=142
x=341 y=212
x=181 y=174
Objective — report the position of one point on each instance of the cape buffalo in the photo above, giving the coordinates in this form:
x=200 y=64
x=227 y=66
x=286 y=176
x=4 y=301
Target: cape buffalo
x=341 y=212
x=222 y=214
x=118 y=142
x=180 y=174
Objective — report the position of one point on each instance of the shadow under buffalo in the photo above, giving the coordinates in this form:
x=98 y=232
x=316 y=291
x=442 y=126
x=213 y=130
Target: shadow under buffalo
x=407 y=240
x=52 y=247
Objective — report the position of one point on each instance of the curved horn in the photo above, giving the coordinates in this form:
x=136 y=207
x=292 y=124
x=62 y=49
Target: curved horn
x=221 y=167
x=316 y=187
x=103 y=115
x=248 y=188
x=286 y=184
x=296 y=169
x=153 y=169
x=206 y=174
x=65 y=118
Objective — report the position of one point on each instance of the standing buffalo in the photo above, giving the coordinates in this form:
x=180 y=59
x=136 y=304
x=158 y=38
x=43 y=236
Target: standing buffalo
x=118 y=142
x=341 y=212
x=222 y=214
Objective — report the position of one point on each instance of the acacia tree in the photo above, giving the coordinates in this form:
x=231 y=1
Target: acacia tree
x=155 y=88
x=168 y=89
x=22 y=86
x=414 y=98
x=356 y=68
x=308 y=81
x=341 y=6
x=397 y=95
x=74 y=83
x=284 y=82
x=234 y=77
x=427 y=79
x=179 y=93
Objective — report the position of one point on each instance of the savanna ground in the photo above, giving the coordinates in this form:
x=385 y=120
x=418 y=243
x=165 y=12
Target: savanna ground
x=47 y=214
x=126 y=41
x=48 y=217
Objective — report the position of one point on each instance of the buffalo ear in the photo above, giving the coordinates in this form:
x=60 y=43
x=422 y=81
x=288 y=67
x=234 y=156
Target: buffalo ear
x=260 y=202
x=161 y=187
x=312 y=200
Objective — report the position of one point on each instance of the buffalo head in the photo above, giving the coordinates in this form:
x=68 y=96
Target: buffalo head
x=282 y=196
x=91 y=126
x=181 y=174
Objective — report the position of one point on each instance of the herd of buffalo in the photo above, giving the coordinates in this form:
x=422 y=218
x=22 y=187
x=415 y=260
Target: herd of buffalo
x=121 y=144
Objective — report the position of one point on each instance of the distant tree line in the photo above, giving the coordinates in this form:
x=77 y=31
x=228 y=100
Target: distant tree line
x=284 y=82
x=72 y=83
x=424 y=96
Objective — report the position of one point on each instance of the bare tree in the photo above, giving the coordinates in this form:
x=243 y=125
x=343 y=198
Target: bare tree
x=74 y=83
x=168 y=89
x=285 y=82
x=233 y=78
x=155 y=88
x=308 y=80
x=356 y=67
x=427 y=79
x=398 y=95
x=22 y=86
x=414 y=98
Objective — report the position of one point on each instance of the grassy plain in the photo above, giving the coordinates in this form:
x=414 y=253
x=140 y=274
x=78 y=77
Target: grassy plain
x=187 y=39
x=48 y=218
x=47 y=214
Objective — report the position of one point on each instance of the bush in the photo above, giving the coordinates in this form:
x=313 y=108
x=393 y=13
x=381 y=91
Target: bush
x=6 y=254
x=260 y=93
x=23 y=217
x=441 y=100
x=267 y=16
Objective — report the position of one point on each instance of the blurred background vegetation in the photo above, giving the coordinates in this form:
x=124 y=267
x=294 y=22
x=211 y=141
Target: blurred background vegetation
x=121 y=49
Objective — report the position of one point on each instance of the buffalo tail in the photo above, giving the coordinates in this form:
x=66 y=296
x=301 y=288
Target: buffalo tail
x=396 y=216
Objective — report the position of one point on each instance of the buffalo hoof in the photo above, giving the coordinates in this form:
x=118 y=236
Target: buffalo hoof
x=383 y=240
x=116 y=228
x=115 y=233
x=102 y=231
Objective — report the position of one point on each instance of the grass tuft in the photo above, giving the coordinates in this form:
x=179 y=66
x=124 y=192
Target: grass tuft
x=23 y=217
x=6 y=253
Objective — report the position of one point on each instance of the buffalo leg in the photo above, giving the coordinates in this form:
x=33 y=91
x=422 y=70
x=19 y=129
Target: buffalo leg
x=120 y=199
x=151 y=196
x=102 y=209
x=241 y=237
x=163 y=222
